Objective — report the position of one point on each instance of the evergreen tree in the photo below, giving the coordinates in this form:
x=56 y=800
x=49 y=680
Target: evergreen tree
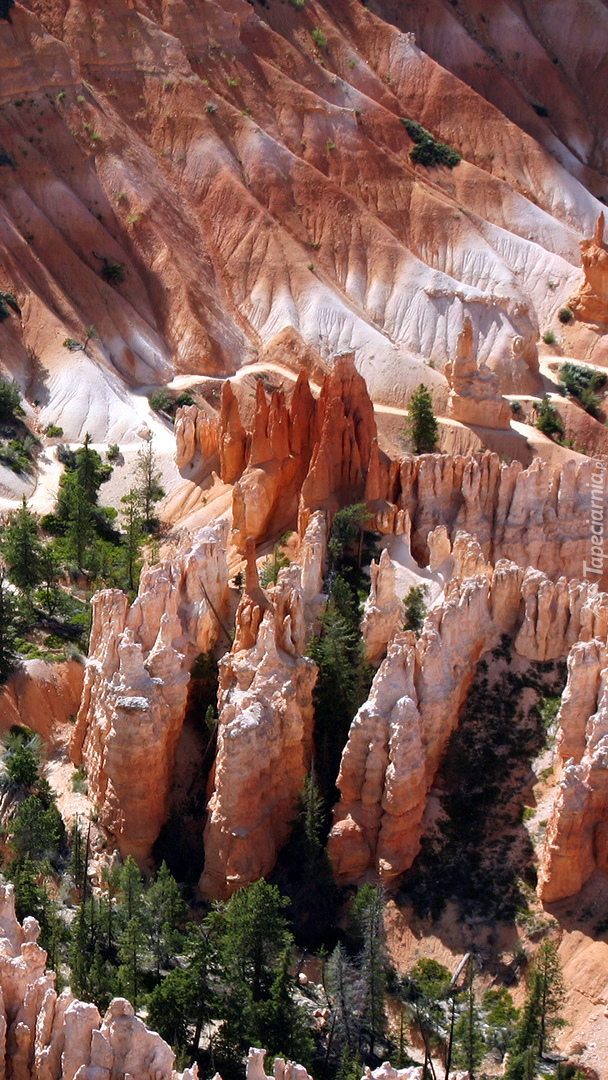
x=167 y=912
x=7 y=627
x=171 y=1008
x=133 y=535
x=421 y=426
x=415 y=608
x=368 y=912
x=22 y=549
x=337 y=653
x=50 y=569
x=544 y=998
x=80 y=531
x=424 y=990
x=468 y=1042
x=130 y=952
x=341 y=984
x=501 y=1019
x=149 y=484
x=130 y=892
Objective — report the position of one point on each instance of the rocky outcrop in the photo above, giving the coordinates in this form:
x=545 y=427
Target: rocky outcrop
x=576 y=841
x=41 y=695
x=399 y=735
x=196 y=432
x=265 y=498
x=265 y=725
x=46 y=1036
x=591 y=302
x=475 y=396
x=539 y=516
x=136 y=685
x=384 y=612
x=342 y=454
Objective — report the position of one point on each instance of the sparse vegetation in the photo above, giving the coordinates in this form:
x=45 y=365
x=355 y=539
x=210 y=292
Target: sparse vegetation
x=318 y=37
x=565 y=315
x=114 y=272
x=583 y=384
x=428 y=150
x=548 y=419
x=549 y=337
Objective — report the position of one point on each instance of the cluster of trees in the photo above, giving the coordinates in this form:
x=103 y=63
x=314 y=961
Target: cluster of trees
x=344 y=676
x=35 y=841
x=79 y=540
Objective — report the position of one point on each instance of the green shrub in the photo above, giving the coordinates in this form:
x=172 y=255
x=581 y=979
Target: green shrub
x=319 y=38
x=113 y=452
x=517 y=408
x=162 y=400
x=52 y=431
x=583 y=383
x=431 y=154
x=429 y=151
x=548 y=419
x=113 y=271
x=565 y=315
x=10 y=400
x=297 y=4
x=549 y=337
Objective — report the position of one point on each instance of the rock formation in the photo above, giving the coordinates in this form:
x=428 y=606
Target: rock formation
x=46 y=1036
x=591 y=301
x=475 y=396
x=576 y=841
x=136 y=685
x=539 y=516
x=399 y=735
x=384 y=612
x=196 y=432
x=265 y=723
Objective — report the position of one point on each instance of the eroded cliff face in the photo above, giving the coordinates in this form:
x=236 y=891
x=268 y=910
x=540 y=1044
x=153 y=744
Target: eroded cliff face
x=576 y=841
x=265 y=727
x=398 y=737
x=50 y=1036
x=167 y=146
x=136 y=685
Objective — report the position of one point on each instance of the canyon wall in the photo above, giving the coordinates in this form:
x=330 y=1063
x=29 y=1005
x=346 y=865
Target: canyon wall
x=324 y=454
x=265 y=726
x=136 y=685
x=400 y=733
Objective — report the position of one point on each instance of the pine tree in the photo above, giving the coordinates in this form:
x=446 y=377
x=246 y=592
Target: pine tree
x=421 y=426
x=130 y=951
x=131 y=891
x=469 y=1046
x=167 y=912
x=540 y=1014
x=7 y=627
x=133 y=526
x=341 y=986
x=22 y=549
x=149 y=482
x=368 y=912
x=50 y=569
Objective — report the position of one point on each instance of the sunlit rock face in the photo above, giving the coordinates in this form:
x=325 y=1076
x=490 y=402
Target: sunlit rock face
x=136 y=685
